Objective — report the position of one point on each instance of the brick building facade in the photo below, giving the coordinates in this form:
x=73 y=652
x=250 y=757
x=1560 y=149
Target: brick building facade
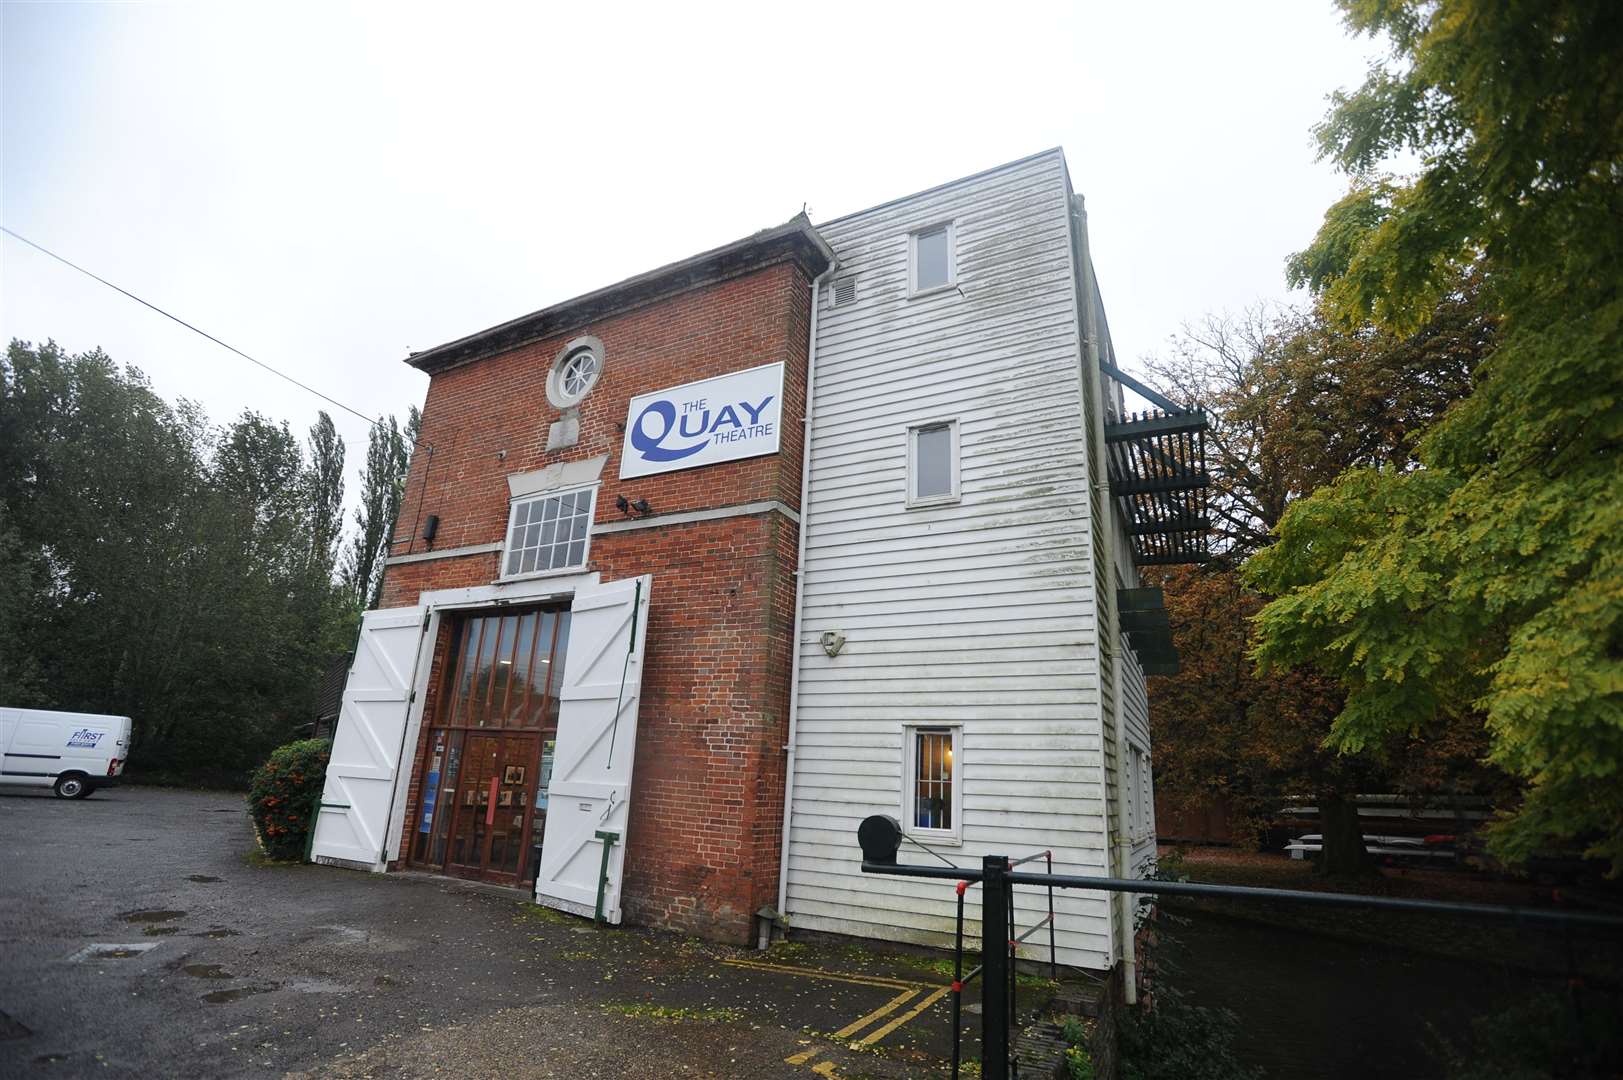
x=720 y=542
x=603 y=546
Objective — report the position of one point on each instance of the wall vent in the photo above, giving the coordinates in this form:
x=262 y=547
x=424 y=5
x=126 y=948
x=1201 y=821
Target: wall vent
x=844 y=291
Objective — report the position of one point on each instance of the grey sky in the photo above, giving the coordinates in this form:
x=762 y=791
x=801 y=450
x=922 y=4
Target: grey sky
x=327 y=186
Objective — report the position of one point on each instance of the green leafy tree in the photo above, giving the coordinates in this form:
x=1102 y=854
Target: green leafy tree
x=383 y=489
x=1488 y=580
x=1294 y=400
x=156 y=566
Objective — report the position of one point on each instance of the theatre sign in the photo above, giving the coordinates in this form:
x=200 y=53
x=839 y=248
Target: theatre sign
x=725 y=418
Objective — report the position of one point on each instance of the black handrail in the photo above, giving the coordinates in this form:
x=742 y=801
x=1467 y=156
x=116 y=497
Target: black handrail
x=880 y=837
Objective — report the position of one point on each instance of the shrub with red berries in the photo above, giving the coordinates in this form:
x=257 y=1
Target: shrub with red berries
x=283 y=793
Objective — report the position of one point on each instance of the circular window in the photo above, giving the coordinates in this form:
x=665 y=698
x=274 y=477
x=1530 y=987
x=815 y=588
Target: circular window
x=575 y=371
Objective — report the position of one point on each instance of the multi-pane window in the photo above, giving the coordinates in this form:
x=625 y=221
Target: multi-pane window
x=548 y=532
x=508 y=670
x=931 y=259
x=932 y=463
x=931 y=795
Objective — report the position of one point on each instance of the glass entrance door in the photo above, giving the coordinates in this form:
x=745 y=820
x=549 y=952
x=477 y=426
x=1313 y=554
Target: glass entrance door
x=494 y=801
x=482 y=781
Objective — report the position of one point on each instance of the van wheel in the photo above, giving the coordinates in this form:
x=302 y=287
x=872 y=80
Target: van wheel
x=71 y=786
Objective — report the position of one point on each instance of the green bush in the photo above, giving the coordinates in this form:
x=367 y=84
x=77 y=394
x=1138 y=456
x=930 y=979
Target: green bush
x=1175 y=1040
x=282 y=792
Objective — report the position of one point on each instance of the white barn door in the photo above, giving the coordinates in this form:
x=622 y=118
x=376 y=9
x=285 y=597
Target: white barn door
x=353 y=824
x=597 y=741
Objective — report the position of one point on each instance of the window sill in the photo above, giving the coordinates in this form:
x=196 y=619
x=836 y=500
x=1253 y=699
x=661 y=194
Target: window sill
x=951 y=286
x=562 y=571
x=926 y=837
x=934 y=500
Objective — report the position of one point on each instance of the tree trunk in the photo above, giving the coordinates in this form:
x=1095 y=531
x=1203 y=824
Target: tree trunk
x=1343 y=854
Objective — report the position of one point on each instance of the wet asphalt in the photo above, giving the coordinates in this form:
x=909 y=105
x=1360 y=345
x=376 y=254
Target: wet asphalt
x=139 y=937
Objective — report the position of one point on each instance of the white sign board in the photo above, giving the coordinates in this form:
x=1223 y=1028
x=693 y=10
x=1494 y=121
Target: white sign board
x=721 y=419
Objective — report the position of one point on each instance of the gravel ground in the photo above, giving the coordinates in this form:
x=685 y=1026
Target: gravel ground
x=139 y=937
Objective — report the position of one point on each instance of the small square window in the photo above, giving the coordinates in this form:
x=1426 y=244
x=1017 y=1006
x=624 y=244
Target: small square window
x=931 y=793
x=548 y=532
x=932 y=463
x=931 y=259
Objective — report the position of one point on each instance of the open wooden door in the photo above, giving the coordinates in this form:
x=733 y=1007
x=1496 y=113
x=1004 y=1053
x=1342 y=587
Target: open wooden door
x=597 y=742
x=352 y=827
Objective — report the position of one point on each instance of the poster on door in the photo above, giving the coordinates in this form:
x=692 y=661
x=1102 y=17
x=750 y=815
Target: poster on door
x=547 y=749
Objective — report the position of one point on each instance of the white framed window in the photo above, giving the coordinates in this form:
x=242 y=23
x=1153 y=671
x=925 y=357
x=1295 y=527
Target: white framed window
x=548 y=532
x=932 y=259
x=932 y=463
x=932 y=788
x=1146 y=795
x=575 y=371
x=1140 y=806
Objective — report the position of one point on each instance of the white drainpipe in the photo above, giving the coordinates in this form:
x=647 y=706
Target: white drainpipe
x=800 y=587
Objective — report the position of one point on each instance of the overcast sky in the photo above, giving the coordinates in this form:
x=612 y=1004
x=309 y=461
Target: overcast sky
x=327 y=186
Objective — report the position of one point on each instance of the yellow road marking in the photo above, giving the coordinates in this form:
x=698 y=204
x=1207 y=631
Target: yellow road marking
x=836 y=976
x=875 y=1036
x=884 y=1010
x=908 y=991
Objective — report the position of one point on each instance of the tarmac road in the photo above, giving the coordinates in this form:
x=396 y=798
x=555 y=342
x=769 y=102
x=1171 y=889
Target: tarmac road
x=138 y=938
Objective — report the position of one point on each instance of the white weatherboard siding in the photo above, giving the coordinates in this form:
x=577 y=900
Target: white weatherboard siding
x=979 y=613
x=1135 y=713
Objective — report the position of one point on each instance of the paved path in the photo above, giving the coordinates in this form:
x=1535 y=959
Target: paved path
x=138 y=938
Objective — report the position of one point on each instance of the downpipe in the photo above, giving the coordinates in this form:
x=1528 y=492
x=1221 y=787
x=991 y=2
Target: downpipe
x=800 y=596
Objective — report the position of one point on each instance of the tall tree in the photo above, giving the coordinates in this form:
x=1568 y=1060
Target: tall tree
x=1293 y=400
x=156 y=566
x=383 y=489
x=1489 y=579
x=325 y=494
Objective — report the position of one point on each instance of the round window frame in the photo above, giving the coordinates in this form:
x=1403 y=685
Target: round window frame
x=555 y=386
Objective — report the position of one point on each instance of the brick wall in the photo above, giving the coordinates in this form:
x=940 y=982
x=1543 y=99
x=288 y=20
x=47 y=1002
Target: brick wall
x=707 y=804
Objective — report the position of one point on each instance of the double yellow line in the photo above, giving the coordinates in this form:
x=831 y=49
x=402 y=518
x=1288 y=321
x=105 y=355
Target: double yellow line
x=906 y=992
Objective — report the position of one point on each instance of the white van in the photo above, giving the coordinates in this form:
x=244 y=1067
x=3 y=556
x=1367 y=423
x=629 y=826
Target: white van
x=74 y=753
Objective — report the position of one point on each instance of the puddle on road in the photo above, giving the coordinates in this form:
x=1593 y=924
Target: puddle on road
x=203 y=878
x=155 y=915
x=206 y=971
x=222 y=997
x=384 y=980
x=160 y=931
x=111 y=951
x=217 y=932
x=13 y=1029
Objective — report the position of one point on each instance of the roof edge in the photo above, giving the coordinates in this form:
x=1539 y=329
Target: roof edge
x=795 y=239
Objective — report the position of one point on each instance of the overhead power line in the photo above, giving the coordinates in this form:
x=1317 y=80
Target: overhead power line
x=204 y=333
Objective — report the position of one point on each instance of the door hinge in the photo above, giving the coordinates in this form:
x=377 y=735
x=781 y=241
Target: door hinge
x=412 y=697
x=426 y=616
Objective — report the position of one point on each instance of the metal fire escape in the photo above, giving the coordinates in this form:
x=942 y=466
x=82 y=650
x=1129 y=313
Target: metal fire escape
x=1157 y=461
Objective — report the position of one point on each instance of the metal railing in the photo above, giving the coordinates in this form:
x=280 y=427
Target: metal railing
x=881 y=836
x=961 y=980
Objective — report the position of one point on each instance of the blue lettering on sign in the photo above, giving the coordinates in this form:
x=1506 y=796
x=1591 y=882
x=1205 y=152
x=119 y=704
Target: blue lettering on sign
x=85 y=739
x=697 y=423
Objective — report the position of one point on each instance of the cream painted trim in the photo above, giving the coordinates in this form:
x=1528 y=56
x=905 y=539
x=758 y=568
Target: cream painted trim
x=565 y=474
x=448 y=553
x=525 y=590
x=740 y=510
